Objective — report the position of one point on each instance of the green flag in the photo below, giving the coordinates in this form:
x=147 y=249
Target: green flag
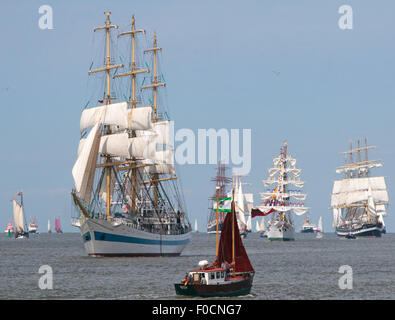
x=224 y=204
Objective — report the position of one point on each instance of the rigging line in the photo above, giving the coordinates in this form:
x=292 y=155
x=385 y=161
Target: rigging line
x=160 y=184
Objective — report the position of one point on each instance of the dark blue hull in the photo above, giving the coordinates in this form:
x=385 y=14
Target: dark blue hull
x=366 y=230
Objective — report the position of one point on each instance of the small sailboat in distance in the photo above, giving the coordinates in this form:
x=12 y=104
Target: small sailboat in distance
x=231 y=274
x=320 y=229
x=19 y=219
x=49 y=227
x=196 y=226
x=58 y=229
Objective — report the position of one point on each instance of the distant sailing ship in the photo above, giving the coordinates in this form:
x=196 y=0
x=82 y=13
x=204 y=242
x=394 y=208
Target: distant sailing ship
x=196 y=226
x=320 y=229
x=58 y=229
x=49 y=227
x=359 y=200
x=127 y=195
x=19 y=219
x=261 y=228
x=243 y=205
x=33 y=226
x=231 y=274
x=221 y=181
x=277 y=200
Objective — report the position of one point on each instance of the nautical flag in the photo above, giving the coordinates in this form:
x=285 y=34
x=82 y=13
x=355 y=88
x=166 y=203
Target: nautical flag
x=101 y=101
x=20 y=193
x=225 y=205
x=256 y=212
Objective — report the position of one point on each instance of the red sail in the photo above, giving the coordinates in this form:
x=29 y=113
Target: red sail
x=242 y=263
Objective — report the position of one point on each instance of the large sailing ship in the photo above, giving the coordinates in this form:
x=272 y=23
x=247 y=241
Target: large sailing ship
x=127 y=195
x=277 y=201
x=221 y=181
x=359 y=200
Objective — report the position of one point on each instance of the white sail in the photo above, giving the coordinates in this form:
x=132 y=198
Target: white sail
x=117 y=115
x=49 y=225
x=257 y=228
x=142 y=147
x=362 y=168
x=336 y=217
x=249 y=223
x=18 y=217
x=297 y=196
x=84 y=168
x=115 y=145
x=320 y=228
x=196 y=226
x=292 y=171
x=349 y=191
x=262 y=226
x=381 y=210
x=296 y=183
x=162 y=130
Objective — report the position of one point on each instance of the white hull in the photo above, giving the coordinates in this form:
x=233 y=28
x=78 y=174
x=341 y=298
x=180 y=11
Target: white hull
x=103 y=238
x=281 y=232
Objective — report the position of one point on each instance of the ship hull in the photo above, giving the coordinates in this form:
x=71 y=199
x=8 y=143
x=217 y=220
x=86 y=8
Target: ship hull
x=307 y=230
x=279 y=233
x=213 y=228
x=102 y=238
x=231 y=289
x=366 y=230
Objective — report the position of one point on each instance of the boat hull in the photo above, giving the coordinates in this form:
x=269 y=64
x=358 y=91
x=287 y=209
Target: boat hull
x=230 y=289
x=281 y=233
x=213 y=228
x=366 y=230
x=102 y=238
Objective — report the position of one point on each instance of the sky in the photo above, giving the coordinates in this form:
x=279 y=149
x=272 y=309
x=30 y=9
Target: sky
x=283 y=69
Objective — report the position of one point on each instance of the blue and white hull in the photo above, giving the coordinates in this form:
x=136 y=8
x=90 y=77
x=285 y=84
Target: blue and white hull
x=105 y=238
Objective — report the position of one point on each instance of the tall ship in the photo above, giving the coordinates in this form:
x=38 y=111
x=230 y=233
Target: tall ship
x=221 y=182
x=359 y=200
x=280 y=201
x=33 y=226
x=19 y=219
x=127 y=194
x=58 y=228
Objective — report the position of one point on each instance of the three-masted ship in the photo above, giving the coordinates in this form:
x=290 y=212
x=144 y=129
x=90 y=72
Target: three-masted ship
x=278 y=201
x=127 y=195
x=221 y=182
x=359 y=200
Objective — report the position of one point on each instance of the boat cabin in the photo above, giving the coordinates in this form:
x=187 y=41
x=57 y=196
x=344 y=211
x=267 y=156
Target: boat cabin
x=209 y=277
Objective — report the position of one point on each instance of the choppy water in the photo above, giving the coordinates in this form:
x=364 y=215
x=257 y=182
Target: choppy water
x=303 y=269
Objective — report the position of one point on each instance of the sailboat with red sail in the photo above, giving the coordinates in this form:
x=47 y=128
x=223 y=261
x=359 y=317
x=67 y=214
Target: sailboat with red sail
x=231 y=274
x=58 y=229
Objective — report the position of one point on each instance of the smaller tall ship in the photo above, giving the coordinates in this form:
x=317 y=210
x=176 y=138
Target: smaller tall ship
x=19 y=219
x=277 y=201
x=359 y=200
x=221 y=181
x=58 y=229
x=9 y=229
x=33 y=226
x=231 y=274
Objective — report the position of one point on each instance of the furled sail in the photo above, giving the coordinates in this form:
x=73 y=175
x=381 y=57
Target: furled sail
x=84 y=168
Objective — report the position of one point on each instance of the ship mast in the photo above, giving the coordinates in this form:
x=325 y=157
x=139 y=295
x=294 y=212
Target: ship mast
x=133 y=72
x=108 y=67
x=155 y=84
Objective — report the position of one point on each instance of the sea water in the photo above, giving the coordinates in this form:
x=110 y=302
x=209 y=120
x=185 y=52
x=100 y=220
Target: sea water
x=307 y=268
